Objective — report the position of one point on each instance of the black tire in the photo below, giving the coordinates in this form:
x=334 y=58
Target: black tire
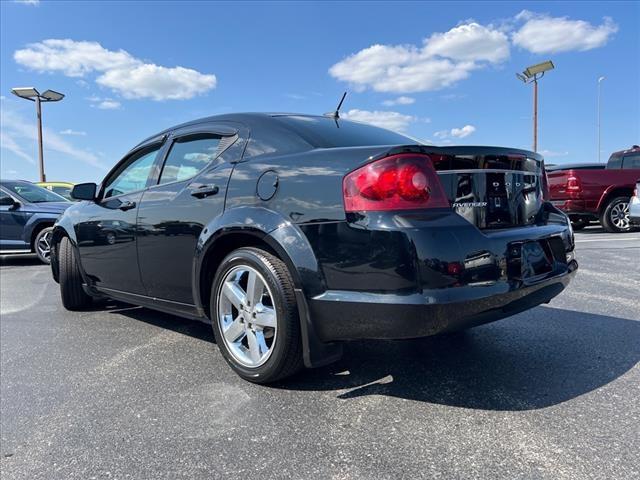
x=73 y=295
x=42 y=245
x=285 y=358
x=579 y=223
x=611 y=219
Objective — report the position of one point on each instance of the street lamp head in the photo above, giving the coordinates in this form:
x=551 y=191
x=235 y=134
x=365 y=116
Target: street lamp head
x=52 y=96
x=30 y=93
x=601 y=79
x=520 y=76
x=533 y=70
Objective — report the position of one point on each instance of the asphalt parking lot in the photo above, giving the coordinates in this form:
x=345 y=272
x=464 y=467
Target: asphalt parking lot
x=122 y=392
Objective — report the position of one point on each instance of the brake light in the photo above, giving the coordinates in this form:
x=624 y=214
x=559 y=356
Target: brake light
x=400 y=182
x=573 y=184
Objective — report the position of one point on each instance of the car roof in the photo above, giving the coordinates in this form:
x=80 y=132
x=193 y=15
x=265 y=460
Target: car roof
x=633 y=149
x=14 y=182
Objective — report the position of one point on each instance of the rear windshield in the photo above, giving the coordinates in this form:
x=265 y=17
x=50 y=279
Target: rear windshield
x=325 y=132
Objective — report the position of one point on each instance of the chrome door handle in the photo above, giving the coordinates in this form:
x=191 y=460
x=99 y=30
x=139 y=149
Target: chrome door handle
x=202 y=191
x=127 y=205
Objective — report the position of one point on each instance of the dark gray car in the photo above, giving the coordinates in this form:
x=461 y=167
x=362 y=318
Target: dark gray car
x=27 y=215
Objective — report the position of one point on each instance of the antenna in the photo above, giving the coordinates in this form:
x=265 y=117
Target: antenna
x=336 y=114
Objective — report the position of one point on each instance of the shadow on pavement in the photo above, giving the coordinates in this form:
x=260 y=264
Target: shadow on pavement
x=523 y=363
x=535 y=360
x=20 y=260
x=598 y=230
x=195 y=329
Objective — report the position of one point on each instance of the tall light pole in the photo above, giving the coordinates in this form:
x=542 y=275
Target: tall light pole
x=531 y=75
x=599 y=149
x=30 y=93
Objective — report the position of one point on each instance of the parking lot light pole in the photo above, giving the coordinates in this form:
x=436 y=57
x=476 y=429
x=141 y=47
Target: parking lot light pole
x=531 y=75
x=599 y=148
x=30 y=93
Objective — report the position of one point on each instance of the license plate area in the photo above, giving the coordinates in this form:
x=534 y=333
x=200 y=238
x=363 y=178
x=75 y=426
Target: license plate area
x=535 y=260
x=530 y=260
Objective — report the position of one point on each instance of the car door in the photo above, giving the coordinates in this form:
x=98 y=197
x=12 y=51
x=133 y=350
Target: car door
x=189 y=193
x=106 y=233
x=13 y=218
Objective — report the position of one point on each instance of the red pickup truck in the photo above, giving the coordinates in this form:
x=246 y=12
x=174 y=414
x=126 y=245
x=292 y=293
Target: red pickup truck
x=589 y=192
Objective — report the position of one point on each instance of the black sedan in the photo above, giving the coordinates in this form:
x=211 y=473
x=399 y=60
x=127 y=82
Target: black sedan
x=294 y=233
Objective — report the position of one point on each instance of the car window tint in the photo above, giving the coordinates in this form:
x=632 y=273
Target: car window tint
x=188 y=156
x=631 y=161
x=133 y=176
x=34 y=193
x=326 y=132
x=64 y=191
x=615 y=161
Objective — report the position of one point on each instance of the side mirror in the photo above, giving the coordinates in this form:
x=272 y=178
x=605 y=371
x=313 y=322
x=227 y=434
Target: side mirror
x=8 y=202
x=84 y=191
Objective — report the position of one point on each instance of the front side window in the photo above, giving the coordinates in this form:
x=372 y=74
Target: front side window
x=133 y=174
x=631 y=161
x=189 y=156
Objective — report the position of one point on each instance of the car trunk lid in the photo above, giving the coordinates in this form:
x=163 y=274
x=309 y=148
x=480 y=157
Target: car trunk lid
x=491 y=187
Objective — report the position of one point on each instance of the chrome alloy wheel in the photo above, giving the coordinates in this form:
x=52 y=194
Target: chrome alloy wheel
x=619 y=215
x=247 y=316
x=44 y=246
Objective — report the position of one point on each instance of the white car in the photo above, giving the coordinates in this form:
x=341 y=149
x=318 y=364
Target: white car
x=634 y=206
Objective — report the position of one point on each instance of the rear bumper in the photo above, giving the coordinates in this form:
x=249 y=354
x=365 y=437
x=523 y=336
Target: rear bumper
x=415 y=274
x=343 y=315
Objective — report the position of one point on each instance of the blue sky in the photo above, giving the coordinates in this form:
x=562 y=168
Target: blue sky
x=442 y=72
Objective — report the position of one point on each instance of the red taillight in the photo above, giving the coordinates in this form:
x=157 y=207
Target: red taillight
x=573 y=184
x=400 y=182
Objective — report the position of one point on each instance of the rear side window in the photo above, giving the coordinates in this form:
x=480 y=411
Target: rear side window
x=631 y=161
x=188 y=156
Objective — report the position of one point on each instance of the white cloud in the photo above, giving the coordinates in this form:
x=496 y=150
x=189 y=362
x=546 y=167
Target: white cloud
x=69 y=131
x=399 y=101
x=117 y=70
x=389 y=120
x=469 y=42
x=545 y=34
x=443 y=60
x=20 y=132
x=104 y=103
x=7 y=142
x=108 y=104
x=28 y=2
x=552 y=153
x=463 y=132
x=455 y=132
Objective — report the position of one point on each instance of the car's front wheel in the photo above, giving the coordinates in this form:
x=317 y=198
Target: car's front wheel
x=255 y=317
x=73 y=295
x=42 y=245
x=615 y=217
